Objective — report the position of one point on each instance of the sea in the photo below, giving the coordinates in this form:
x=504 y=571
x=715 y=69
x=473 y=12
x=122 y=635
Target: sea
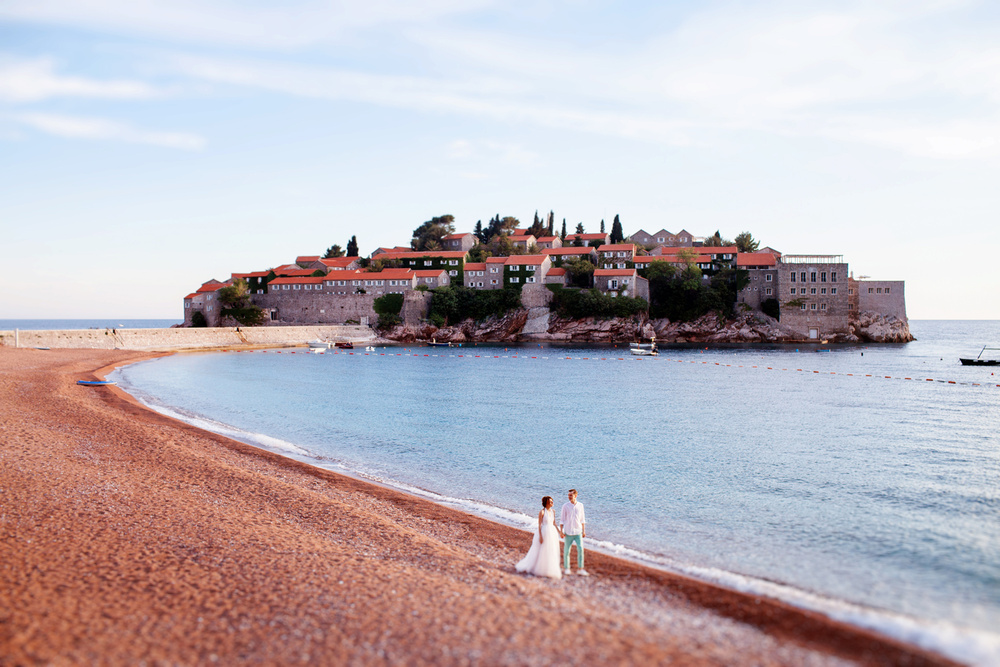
x=860 y=481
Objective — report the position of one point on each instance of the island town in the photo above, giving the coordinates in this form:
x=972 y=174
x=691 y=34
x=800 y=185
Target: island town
x=507 y=282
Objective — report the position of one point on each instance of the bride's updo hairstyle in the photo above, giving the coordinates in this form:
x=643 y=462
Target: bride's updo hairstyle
x=545 y=501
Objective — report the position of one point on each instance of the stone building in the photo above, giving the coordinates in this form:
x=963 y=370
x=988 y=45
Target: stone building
x=615 y=256
x=565 y=253
x=205 y=301
x=884 y=297
x=459 y=242
x=594 y=240
x=813 y=294
x=475 y=275
x=762 y=278
x=621 y=282
x=526 y=269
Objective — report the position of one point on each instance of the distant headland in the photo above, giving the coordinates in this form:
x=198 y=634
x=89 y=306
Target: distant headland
x=504 y=282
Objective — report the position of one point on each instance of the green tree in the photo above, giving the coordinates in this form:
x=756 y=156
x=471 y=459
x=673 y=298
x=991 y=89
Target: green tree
x=235 y=301
x=602 y=225
x=746 y=243
x=537 y=228
x=551 y=230
x=352 y=247
x=713 y=241
x=580 y=272
x=428 y=235
x=387 y=308
x=617 y=236
x=479 y=233
x=334 y=251
x=562 y=234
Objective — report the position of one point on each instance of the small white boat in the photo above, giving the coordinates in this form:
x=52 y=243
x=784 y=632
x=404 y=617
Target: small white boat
x=645 y=349
x=318 y=345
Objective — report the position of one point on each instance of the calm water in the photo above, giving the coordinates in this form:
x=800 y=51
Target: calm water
x=54 y=325
x=874 y=500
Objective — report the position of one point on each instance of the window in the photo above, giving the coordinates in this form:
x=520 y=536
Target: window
x=822 y=291
x=308 y=286
x=833 y=290
x=822 y=306
x=187 y=304
x=833 y=277
x=803 y=276
x=209 y=308
x=850 y=290
x=659 y=239
x=480 y=284
x=886 y=290
x=812 y=290
x=413 y=262
x=428 y=280
x=381 y=283
x=613 y=284
x=453 y=272
x=878 y=290
x=453 y=262
x=768 y=291
x=793 y=290
x=767 y=278
x=822 y=277
x=493 y=282
x=531 y=269
x=850 y=306
x=871 y=290
x=812 y=276
x=812 y=306
x=284 y=287
x=530 y=279
x=493 y=269
x=515 y=279
x=428 y=262
x=802 y=307
x=793 y=277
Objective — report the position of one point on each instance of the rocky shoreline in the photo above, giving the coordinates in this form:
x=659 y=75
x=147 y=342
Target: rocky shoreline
x=524 y=325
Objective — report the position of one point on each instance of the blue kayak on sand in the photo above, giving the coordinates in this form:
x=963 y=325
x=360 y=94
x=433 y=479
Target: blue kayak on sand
x=95 y=383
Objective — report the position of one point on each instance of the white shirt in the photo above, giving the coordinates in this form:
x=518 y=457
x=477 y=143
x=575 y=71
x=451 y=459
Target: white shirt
x=572 y=518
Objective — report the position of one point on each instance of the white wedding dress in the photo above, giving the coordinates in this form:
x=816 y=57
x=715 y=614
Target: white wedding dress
x=543 y=557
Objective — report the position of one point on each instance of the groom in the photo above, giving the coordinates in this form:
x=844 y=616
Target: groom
x=573 y=527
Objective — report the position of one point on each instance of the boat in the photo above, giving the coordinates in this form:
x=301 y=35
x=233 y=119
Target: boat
x=345 y=345
x=979 y=361
x=645 y=349
x=434 y=343
x=318 y=345
x=96 y=383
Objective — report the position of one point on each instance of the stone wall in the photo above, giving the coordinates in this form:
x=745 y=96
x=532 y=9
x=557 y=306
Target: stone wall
x=180 y=338
x=309 y=307
x=884 y=297
x=826 y=314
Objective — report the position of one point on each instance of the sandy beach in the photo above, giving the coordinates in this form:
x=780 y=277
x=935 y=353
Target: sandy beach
x=127 y=537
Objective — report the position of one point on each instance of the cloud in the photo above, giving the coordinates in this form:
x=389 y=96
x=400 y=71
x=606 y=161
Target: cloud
x=35 y=80
x=292 y=24
x=74 y=127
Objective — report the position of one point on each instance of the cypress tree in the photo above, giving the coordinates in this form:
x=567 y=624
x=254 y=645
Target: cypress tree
x=352 y=247
x=617 y=236
x=562 y=236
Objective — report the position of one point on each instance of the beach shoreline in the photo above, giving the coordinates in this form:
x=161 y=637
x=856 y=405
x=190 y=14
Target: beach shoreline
x=129 y=535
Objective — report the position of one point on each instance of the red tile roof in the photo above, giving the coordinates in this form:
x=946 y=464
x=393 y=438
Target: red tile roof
x=586 y=237
x=496 y=260
x=609 y=247
x=755 y=259
x=547 y=239
x=252 y=274
x=191 y=296
x=384 y=274
x=452 y=237
x=719 y=250
x=306 y=259
x=525 y=259
x=410 y=254
x=429 y=273
x=287 y=273
x=475 y=266
x=298 y=280
x=614 y=272
x=211 y=286
x=519 y=232
x=567 y=251
x=338 y=262
x=557 y=271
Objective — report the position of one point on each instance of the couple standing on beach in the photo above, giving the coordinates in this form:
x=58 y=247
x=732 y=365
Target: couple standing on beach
x=543 y=556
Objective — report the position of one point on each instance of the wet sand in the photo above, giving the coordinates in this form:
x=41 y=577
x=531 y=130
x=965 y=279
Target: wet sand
x=130 y=537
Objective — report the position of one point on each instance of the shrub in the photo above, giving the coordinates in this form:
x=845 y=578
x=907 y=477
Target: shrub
x=577 y=304
x=388 y=308
x=456 y=303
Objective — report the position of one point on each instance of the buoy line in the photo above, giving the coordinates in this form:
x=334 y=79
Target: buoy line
x=408 y=353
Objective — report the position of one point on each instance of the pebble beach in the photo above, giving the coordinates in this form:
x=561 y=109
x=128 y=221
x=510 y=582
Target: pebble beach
x=127 y=537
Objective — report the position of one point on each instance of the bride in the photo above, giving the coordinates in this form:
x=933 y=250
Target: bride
x=543 y=556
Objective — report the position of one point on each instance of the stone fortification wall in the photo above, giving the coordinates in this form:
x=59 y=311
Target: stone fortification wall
x=416 y=305
x=178 y=339
x=883 y=297
x=309 y=307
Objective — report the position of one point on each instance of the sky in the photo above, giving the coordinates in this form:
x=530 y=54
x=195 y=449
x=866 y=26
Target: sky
x=151 y=145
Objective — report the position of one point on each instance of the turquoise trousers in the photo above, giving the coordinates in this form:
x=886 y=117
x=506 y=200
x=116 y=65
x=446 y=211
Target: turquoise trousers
x=567 y=544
